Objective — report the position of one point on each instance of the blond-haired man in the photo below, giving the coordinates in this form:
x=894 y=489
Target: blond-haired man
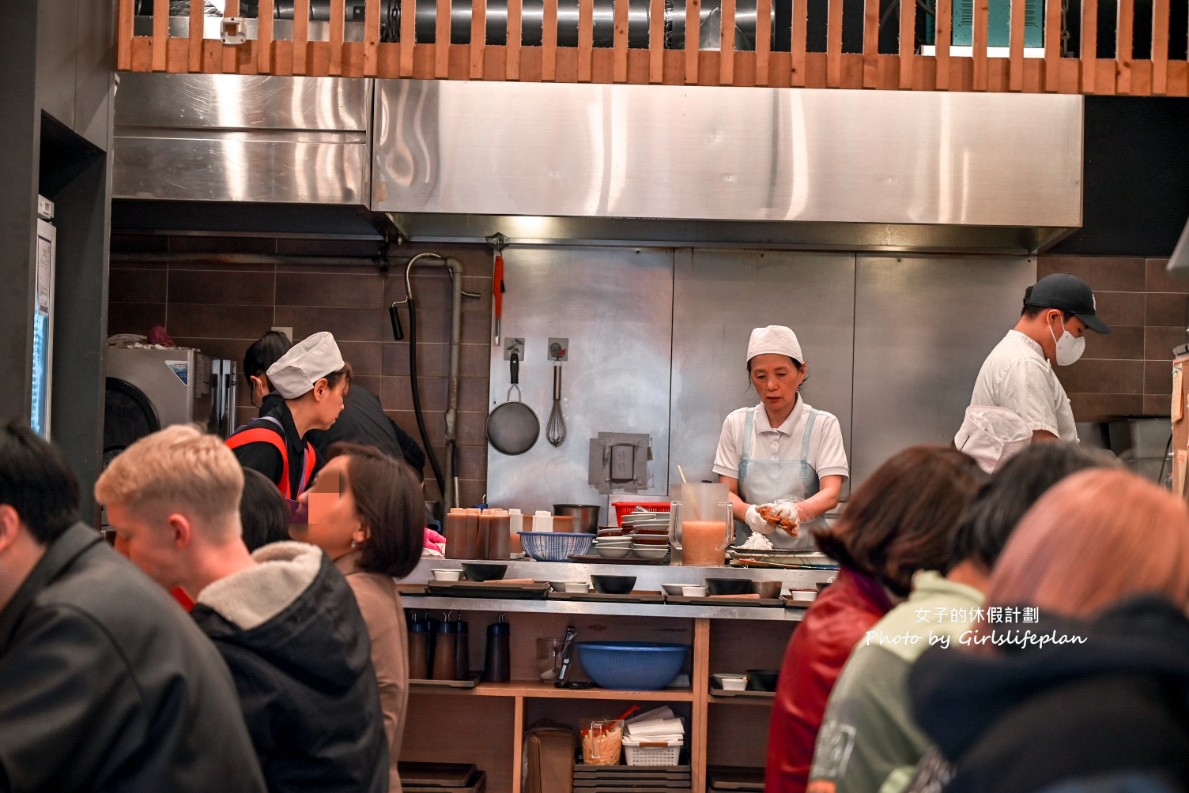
x=283 y=618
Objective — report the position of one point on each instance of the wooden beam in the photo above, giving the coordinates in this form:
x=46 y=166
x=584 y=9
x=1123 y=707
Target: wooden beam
x=1159 y=46
x=942 y=38
x=515 y=38
x=1052 y=59
x=908 y=27
x=619 y=43
x=441 y=41
x=1124 y=44
x=763 y=54
x=693 y=28
x=656 y=41
x=1015 y=49
x=549 y=41
x=870 y=43
x=124 y=30
x=478 y=43
x=726 y=43
x=160 y=33
x=1089 y=45
x=800 y=32
x=979 y=48
x=834 y=44
x=301 y=36
x=585 y=39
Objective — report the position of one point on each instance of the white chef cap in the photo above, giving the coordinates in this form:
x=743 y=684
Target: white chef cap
x=308 y=361
x=774 y=339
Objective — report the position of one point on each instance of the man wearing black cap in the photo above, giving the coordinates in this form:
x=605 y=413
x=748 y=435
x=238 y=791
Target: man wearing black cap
x=1018 y=374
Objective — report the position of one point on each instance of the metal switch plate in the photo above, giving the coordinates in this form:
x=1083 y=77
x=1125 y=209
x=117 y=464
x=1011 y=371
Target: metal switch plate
x=619 y=461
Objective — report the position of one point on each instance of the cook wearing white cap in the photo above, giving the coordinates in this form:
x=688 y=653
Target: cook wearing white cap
x=781 y=450
x=312 y=378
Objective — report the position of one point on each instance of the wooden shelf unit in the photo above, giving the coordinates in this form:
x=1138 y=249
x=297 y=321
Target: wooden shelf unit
x=482 y=720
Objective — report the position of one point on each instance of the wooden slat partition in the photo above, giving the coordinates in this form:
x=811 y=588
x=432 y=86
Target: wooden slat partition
x=942 y=40
x=726 y=43
x=615 y=61
x=1159 y=46
x=1089 y=45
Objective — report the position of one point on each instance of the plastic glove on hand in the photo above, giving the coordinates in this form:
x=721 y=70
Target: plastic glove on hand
x=782 y=514
x=756 y=522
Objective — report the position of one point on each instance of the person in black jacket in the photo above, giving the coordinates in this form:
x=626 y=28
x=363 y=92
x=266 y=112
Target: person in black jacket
x=105 y=684
x=1068 y=683
x=284 y=618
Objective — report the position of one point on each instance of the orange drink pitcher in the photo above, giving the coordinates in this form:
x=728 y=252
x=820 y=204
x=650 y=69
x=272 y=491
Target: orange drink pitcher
x=701 y=527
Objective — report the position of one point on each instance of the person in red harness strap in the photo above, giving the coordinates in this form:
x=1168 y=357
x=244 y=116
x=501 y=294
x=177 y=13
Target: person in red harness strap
x=312 y=379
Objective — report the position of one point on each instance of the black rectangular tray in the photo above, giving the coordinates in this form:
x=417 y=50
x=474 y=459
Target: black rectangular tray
x=482 y=589
x=594 y=558
x=724 y=600
x=642 y=596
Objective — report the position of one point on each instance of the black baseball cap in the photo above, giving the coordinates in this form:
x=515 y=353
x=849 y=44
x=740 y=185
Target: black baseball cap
x=1068 y=293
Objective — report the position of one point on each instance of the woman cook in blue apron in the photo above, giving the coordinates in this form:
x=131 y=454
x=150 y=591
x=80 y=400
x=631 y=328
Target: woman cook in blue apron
x=782 y=447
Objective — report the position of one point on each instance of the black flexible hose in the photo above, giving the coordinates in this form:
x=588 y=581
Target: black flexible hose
x=433 y=458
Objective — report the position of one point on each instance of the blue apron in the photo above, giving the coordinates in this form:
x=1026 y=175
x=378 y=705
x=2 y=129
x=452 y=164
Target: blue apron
x=763 y=480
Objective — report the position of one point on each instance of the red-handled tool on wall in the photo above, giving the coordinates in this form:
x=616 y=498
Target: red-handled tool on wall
x=497 y=289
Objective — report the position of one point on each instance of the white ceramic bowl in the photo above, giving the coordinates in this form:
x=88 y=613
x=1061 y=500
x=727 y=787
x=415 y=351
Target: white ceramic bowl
x=673 y=589
x=730 y=681
x=650 y=551
x=569 y=586
x=613 y=551
x=693 y=590
x=446 y=575
x=803 y=595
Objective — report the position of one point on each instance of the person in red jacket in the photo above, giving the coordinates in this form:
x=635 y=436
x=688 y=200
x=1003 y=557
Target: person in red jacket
x=897 y=522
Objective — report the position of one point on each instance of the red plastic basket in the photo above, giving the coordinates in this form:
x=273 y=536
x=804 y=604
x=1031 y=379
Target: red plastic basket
x=624 y=507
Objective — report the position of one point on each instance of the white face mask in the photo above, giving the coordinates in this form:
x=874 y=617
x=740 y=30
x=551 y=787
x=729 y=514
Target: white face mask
x=1069 y=347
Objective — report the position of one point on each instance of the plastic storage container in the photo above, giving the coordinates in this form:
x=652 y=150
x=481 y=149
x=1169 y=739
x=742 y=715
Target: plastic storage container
x=653 y=753
x=624 y=507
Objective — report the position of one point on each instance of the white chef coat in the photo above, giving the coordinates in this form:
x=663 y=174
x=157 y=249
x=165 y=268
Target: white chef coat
x=1017 y=376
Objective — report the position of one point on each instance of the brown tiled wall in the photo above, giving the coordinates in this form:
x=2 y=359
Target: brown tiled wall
x=1128 y=372
x=222 y=308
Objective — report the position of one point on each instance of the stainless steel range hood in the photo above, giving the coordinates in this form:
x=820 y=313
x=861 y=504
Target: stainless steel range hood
x=623 y=164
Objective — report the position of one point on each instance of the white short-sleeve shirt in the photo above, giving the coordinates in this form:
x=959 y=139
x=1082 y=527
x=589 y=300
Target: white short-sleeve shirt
x=827 y=455
x=1017 y=376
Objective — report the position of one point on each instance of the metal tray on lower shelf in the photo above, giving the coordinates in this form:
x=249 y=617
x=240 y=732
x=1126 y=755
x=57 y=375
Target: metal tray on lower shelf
x=641 y=596
x=745 y=694
x=724 y=600
x=471 y=681
x=487 y=589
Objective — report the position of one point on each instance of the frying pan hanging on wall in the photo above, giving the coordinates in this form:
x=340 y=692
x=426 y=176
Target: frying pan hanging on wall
x=512 y=427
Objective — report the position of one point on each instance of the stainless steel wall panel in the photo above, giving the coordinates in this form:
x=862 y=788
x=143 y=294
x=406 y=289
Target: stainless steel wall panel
x=616 y=308
x=235 y=138
x=718 y=297
x=923 y=326
x=729 y=153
